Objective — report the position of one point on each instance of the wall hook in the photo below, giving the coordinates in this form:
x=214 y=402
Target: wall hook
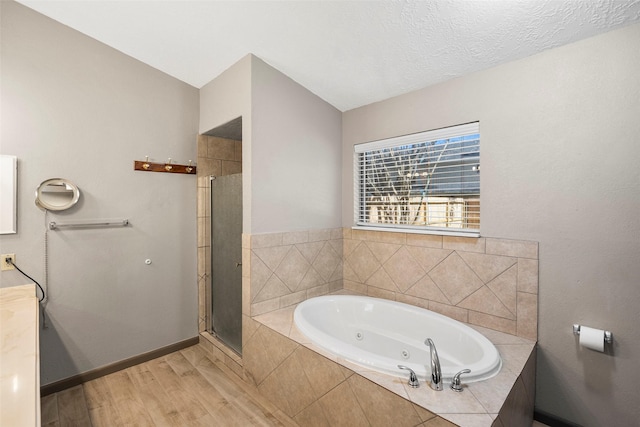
x=169 y=166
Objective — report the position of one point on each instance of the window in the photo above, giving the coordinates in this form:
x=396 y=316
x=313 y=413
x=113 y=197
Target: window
x=428 y=181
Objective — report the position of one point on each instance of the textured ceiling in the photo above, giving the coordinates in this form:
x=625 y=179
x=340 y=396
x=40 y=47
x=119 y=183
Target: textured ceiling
x=350 y=53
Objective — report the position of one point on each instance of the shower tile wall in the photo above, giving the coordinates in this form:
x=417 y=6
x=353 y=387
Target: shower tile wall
x=482 y=281
x=218 y=157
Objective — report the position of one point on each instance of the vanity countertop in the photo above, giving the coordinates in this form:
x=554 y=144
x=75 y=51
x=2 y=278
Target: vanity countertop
x=19 y=357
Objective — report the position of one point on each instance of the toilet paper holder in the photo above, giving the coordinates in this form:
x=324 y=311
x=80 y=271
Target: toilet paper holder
x=608 y=336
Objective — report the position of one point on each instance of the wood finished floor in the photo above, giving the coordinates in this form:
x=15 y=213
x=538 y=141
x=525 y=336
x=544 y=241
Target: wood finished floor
x=185 y=388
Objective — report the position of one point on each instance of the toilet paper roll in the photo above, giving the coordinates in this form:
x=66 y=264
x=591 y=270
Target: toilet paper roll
x=592 y=338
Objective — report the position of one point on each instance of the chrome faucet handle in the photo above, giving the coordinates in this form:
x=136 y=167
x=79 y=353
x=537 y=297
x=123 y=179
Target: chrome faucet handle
x=413 y=378
x=455 y=382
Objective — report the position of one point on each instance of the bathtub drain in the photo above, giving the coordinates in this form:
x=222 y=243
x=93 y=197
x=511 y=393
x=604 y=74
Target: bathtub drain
x=359 y=336
x=405 y=354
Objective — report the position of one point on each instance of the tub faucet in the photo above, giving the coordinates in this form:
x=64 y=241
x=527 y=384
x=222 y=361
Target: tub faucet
x=436 y=371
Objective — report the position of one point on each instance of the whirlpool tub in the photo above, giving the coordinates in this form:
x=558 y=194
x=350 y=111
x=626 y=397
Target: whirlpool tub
x=380 y=334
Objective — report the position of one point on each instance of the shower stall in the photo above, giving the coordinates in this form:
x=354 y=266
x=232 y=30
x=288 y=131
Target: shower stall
x=226 y=259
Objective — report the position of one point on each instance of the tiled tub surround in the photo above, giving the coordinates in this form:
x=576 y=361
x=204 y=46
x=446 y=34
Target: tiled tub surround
x=481 y=281
x=286 y=268
x=278 y=270
x=490 y=284
x=486 y=282
x=315 y=388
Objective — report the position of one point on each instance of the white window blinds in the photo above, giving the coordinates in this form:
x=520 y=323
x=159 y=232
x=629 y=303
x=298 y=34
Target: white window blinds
x=426 y=181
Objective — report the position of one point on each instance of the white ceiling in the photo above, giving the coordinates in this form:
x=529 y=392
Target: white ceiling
x=350 y=53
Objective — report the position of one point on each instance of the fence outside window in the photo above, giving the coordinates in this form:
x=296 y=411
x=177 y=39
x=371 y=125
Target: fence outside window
x=429 y=180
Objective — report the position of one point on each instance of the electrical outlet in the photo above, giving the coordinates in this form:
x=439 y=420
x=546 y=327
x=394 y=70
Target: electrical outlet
x=4 y=265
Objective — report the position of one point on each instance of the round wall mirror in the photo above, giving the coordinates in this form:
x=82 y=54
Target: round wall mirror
x=57 y=194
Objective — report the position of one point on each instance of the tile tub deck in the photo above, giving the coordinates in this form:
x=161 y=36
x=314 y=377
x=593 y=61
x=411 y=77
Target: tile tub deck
x=505 y=400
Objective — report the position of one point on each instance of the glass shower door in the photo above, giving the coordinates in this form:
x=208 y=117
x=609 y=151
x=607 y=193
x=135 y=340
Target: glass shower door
x=226 y=259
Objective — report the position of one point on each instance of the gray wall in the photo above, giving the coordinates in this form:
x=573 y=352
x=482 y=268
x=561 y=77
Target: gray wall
x=75 y=108
x=559 y=154
x=226 y=98
x=295 y=156
x=291 y=147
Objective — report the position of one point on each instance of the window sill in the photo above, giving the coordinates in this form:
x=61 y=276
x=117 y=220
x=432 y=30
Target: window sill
x=437 y=232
